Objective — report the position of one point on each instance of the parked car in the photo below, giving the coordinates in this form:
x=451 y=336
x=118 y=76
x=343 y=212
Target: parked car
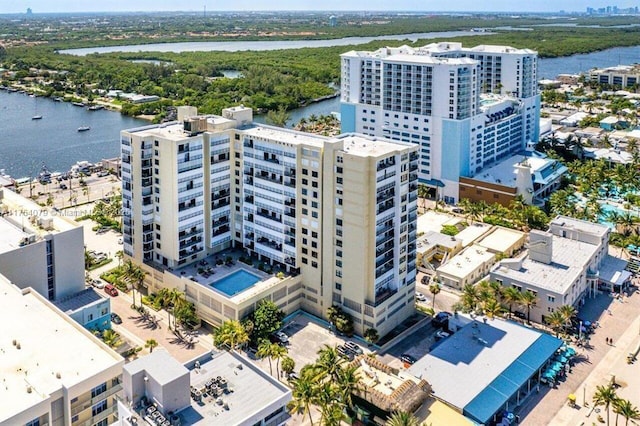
x=421 y=297
x=345 y=352
x=115 y=318
x=457 y=210
x=441 y=334
x=97 y=283
x=440 y=319
x=110 y=290
x=280 y=337
x=520 y=315
x=353 y=347
x=407 y=359
x=63 y=186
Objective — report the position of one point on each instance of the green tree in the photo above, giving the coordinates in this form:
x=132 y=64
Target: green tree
x=111 y=338
x=265 y=349
x=305 y=393
x=511 y=296
x=371 y=335
x=231 y=334
x=266 y=319
x=278 y=117
x=434 y=289
x=625 y=408
x=151 y=343
x=605 y=396
x=348 y=384
x=528 y=299
x=288 y=365
x=402 y=418
x=567 y=313
x=555 y=320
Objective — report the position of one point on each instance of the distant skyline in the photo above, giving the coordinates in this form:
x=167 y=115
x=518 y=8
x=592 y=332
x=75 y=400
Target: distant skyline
x=58 y=6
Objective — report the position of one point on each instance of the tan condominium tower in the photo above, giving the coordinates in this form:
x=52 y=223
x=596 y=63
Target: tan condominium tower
x=337 y=213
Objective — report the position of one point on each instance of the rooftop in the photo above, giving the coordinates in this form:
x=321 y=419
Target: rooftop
x=544 y=170
x=41 y=365
x=286 y=135
x=170 y=131
x=365 y=146
x=432 y=239
x=466 y=262
x=253 y=391
x=22 y=221
x=580 y=225
x=612 y=270
x=501 y=239
x=472 y=232
x=434 y=221
x=478 y=358
x=568 y=260
x=159 y=365
x=79 y=300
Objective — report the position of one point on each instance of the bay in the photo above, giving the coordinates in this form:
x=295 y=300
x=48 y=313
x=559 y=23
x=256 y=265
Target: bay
x=26 y=144
x=240 y=46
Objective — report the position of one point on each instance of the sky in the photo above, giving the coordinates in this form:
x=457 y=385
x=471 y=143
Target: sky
x=48 y=6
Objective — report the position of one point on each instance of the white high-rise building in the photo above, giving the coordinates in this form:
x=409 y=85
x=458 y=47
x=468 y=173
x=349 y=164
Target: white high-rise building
x=337 y=213
x=465 y=107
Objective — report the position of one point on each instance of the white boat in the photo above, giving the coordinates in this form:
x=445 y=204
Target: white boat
x=84 y=128
x=36 y=117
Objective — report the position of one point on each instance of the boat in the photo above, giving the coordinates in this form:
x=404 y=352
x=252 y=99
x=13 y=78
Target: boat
x=79 y=104
x=36 y=117
x=95 y=107
x=84 y=128
x=44 y=177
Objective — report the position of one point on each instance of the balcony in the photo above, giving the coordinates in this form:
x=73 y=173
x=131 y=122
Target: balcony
x=381 y=296
x=190 y=242
x=184 y=234
x=383 y=260
x=274 y=218
x=384 y=239
x=273 y=178
x=383 y=207
x=385 y=195
x=79 y=407
x=384 y=269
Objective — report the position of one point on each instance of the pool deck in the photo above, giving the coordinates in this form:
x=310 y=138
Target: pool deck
x=213 y=273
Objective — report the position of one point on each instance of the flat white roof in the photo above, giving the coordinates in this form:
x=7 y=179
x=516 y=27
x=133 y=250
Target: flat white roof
x=504 y=173
x=432 y=239
x=286 y=135
x=569 y=259
x=158 y=364
x=48 y=341
x=466 y=262
x=580 y=225
x=501 y=239
x=472 y=232
x=433 y=221
x=364 y=146
x=171 y=131
x=253 y=390
x=22 y=218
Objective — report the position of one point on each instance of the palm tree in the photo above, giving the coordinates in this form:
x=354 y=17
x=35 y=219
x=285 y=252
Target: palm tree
x=230 y=334
x=288 y=364
x=511 y=295
x=135 y=275
x=434 y=289
x=555 y=320
x=328 y=364
x=423 y=192
x=264 y=351
x=567 y=313
x=528 y=299
x=277 y=352
x=402 y=418
x=119 y=255
x=111 y=338
x=470 y=297
x=626 y=409
x=605 y=396
x=492 y=308
x=150 y=343
x=304 y=394
x=348 y=384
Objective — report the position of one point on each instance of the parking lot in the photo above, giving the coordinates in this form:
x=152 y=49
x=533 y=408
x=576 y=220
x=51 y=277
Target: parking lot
x=306 y=338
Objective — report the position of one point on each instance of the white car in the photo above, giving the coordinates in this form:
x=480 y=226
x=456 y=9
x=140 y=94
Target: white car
x=97 y=283
x=441 y=334
x=421 y=297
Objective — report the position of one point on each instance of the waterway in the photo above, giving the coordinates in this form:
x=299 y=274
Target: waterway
x=240 y=46
x=26 y=144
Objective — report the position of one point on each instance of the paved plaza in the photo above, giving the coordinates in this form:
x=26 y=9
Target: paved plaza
x=595 y=365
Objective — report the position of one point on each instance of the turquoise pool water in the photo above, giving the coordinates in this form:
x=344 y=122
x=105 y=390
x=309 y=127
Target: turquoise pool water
x=235 y=282
x=606 y=208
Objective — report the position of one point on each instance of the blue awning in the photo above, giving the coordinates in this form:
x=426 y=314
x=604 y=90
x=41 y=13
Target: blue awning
x=502 y=388
x=432 y=182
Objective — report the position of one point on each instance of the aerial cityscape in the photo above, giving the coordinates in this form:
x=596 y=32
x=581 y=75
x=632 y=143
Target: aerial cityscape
x=368 y=214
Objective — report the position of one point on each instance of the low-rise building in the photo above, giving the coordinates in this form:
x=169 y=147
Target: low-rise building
x=503 y=240
x=223 y=388
x=621 y=75
x=87 y=308
x=434 y=246
x=486 y=366
x=40 y=248
x=533 y=177
x=562 y=266
x=54 y=372
x=467 y=267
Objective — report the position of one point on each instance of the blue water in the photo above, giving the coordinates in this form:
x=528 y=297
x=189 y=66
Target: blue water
x=235 y=282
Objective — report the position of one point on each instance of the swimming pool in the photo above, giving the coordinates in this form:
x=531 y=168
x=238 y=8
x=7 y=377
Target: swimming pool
x=235 y=282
